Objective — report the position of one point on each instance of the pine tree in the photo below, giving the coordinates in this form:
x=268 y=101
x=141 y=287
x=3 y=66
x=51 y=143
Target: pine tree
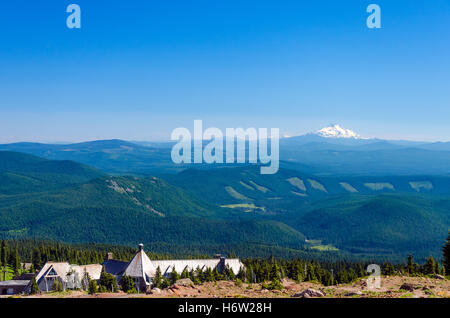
x=209 y=275
x=229 y=273
x=437 y=268
x=310 y=273
x=158 y=279
x=195 y=279
x=4 y=254
x=185 y=273
x=218 y=276
x=199 y=275
x=34 y=286
x=410 y=266
x=275 y=272
x=37 y=259
x=446 y=254
x=127 y=283
x=387 y=269
x=174 y=276
x=430 y=266
x=165 y=282
x=92 y=287
x=298 y=272
x=108 y=282
x=16 y=264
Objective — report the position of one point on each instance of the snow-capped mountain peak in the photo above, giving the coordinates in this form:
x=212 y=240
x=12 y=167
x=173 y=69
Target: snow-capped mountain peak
x=336 y=131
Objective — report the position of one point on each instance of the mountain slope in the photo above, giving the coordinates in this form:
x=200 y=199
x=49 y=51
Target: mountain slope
x=125 y=210
x=112 y=156
x=23 y=173
x=235 y=205
x=128 y=226
x=381 y=224
x=245 y=184
x=373 y=215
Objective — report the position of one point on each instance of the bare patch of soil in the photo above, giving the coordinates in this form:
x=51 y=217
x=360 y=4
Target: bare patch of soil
x=391 y=287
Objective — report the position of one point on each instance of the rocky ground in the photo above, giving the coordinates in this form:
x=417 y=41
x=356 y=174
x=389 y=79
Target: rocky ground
x=391 y=287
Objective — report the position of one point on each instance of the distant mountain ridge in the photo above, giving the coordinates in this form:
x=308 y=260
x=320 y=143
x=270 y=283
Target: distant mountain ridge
x=331 y=150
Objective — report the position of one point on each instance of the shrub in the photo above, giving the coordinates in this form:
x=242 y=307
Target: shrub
x=126 y=283
x=102 y=289
x=92 y=287
x=273 y=285
x=108 y=281
x=57 y=286
x=132 y=291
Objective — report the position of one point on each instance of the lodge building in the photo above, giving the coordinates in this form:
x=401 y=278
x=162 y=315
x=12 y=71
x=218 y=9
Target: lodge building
x=141 y=269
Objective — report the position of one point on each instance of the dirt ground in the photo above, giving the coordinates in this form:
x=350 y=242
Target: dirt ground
x=413 y=287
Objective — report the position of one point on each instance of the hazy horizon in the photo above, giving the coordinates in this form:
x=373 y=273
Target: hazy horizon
x=168 y=139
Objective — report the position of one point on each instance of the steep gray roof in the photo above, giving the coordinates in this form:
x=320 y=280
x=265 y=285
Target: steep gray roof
x=60 y=268
x=115 y=267
x=140 y=266
x=94 y=270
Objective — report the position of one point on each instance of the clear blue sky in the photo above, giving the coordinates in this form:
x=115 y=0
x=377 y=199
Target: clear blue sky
x=138 y=69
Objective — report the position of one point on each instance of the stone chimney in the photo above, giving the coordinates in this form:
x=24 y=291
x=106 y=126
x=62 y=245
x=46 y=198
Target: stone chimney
x=109 y=256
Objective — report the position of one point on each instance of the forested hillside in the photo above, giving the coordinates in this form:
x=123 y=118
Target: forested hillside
x=126 y=210
x=22 y=173
x=376 y=215
x=235 y=209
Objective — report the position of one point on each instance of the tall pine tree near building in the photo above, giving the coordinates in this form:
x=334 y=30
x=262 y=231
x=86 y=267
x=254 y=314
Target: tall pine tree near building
x=92 y=287
x=34 y=286
x=158 y=279
x=16 y=263
x=4 y=254
x=127 y=283
x=174 y=276
x=185 y=273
